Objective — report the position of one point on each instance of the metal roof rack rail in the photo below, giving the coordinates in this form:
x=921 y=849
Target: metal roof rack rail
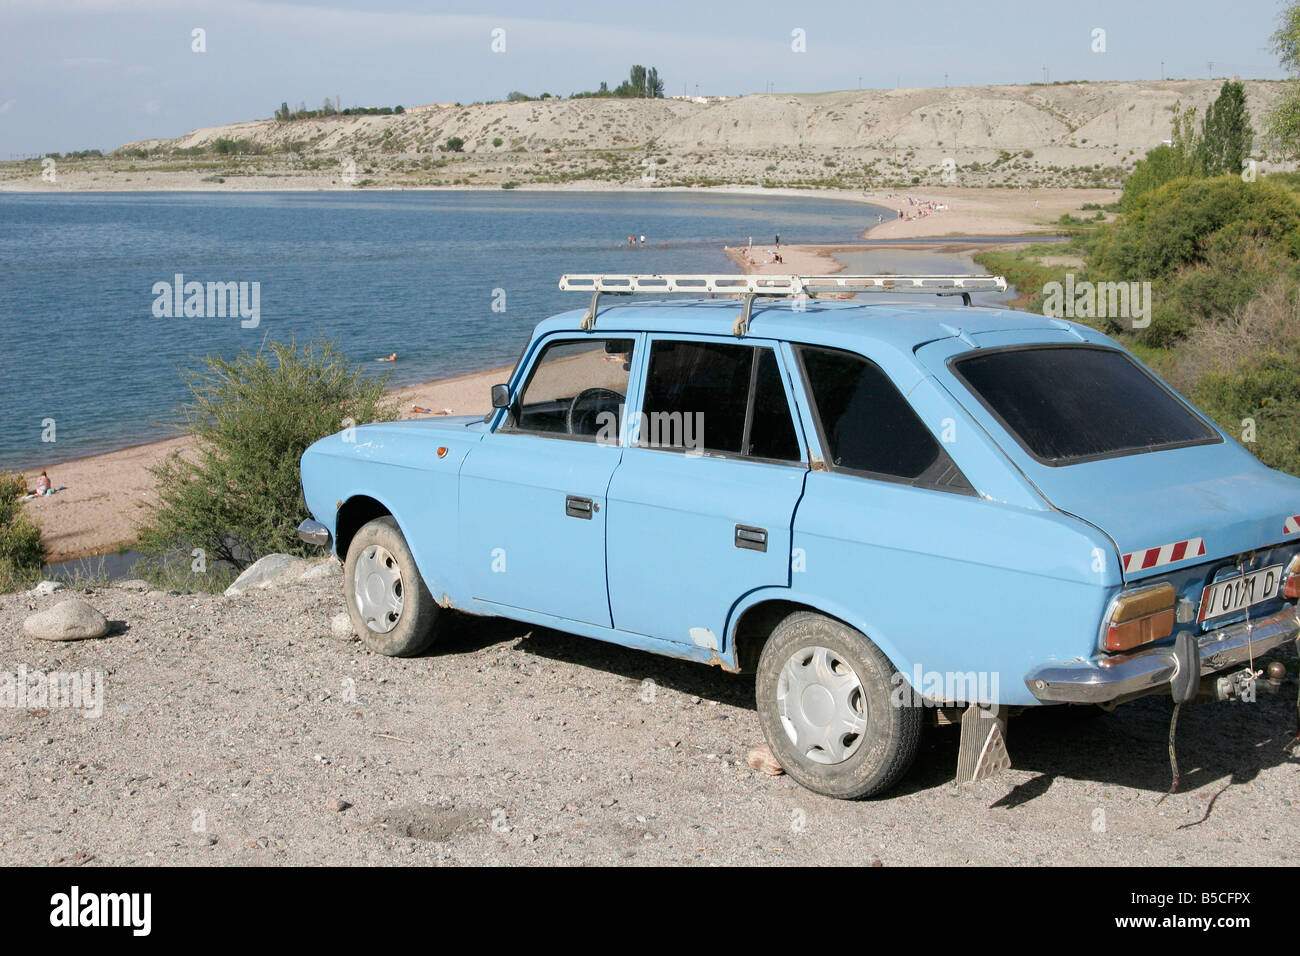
x=750 y=287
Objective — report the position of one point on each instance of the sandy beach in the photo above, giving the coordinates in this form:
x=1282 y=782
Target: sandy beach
x=104 y=497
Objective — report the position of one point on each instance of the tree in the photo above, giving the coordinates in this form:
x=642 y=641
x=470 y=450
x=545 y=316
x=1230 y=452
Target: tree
x=1284 y=120
x=1161 y=165
x=1181 y=156
x=1227 y=136
x=654 y=87
x=283 y=114
x=237 y=495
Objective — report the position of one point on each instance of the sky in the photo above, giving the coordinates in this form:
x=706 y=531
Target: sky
x=81 y=74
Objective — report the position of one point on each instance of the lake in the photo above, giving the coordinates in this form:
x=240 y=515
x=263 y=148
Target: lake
x=91 y=355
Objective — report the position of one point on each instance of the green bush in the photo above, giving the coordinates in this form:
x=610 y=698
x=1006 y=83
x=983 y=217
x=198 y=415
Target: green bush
x=237 y=495
x=1236 y=266
x=21 y=551
x=1161 y=165
x=1172 y=226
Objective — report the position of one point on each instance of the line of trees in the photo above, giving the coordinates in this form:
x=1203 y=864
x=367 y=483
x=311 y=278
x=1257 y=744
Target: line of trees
x=330 y=108
x=641 y=83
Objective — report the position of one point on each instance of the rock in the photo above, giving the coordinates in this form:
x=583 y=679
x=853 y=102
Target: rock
x=71 y=620
x=267 y=572
x=133 y=584
x=341 y=626
x=762 y=760
x=328 y=568
x=45 y=588
x=338 y=806
x=157 y=595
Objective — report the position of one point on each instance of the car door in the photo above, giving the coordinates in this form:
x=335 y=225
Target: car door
x=533 y=492
x=701 y=506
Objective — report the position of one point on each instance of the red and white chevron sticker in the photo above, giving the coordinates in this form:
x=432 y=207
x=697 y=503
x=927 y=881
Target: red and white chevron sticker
x=1291 y=525
x=1165 y=554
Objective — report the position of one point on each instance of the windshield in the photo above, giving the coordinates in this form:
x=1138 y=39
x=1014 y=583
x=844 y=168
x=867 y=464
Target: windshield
x=1067 y=404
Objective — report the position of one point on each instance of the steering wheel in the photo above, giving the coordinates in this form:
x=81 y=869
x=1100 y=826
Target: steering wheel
x=583 y=417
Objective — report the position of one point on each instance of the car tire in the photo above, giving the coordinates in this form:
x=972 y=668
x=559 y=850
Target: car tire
x=390 y=606
x=820 y=680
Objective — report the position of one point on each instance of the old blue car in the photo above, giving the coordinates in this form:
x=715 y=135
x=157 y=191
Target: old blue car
x=888 y=509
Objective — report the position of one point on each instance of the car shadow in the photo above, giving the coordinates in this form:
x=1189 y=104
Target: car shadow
x=1228 y=743
x=1218 y=745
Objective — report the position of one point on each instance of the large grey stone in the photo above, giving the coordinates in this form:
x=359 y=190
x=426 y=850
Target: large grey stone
x=329 y=568
x=267 y=572
x=71 y=620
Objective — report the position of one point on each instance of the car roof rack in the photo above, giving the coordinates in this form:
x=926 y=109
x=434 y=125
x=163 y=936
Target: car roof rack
x=750 y=287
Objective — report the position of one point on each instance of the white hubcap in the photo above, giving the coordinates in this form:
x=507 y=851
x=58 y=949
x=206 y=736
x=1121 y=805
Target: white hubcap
x=822 y=707
x=377 y=586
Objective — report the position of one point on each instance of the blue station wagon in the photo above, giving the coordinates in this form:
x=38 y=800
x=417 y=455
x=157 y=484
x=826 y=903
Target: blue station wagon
x=886 y=511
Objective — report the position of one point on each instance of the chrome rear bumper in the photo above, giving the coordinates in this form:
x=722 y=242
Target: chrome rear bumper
x=1107 y=679
x=313 y=532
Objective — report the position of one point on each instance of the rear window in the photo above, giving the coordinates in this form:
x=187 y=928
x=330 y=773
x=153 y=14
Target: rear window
x=1067 y=404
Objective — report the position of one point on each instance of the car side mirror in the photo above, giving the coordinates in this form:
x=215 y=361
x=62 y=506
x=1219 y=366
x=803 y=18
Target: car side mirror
x=500 y=396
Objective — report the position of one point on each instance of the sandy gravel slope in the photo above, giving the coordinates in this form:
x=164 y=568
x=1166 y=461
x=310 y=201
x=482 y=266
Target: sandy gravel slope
x=513 y=745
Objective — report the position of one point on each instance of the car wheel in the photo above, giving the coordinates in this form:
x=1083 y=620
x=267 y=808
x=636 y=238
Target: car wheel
x=390 y=605
x=826 y=702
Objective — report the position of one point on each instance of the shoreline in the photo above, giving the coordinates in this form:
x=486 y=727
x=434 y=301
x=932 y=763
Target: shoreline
x=104 y=495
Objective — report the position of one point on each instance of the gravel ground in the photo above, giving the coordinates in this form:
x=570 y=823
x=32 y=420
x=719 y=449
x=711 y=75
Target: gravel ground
x=239 y=731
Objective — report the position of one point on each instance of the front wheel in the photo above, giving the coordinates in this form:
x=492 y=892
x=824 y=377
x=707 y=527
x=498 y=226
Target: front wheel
x=390 y=605
x=828 y=706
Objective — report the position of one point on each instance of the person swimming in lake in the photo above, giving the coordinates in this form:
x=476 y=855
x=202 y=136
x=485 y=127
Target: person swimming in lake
x=391 y=358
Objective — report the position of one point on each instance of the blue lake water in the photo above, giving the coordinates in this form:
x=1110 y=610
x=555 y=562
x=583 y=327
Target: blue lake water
x=380 y=272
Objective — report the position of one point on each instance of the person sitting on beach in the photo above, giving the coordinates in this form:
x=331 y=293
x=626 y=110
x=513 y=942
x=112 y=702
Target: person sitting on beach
x=43 y=484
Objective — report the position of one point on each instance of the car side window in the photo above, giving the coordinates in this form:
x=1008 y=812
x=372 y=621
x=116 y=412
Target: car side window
x=868 y=426
x=717 y=397
x=577 y=389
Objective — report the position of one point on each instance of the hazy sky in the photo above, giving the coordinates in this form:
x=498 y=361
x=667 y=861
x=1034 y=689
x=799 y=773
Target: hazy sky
x=77 y=74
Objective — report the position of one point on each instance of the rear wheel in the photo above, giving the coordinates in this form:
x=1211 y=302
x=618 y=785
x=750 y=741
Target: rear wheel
x=827 y=705
x=390 y=605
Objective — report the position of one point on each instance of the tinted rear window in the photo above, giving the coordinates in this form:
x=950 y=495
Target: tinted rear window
x=1075 y=403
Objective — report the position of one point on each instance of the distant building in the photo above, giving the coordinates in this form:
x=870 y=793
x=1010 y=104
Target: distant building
x=702 y=99
x=430 y=106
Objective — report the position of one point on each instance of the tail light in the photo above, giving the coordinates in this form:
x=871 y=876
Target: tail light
x=1142 y=616
x=1291 y=584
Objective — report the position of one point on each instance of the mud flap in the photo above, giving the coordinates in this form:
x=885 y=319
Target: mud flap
x=983 y=751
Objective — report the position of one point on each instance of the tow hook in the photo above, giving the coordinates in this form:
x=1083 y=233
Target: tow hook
x=1245 y=684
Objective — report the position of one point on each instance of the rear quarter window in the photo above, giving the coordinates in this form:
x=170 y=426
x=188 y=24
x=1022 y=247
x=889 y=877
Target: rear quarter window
x=1076 y=403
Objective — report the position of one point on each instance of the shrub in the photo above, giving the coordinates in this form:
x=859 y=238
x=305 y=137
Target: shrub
x=453 y=144
x=1171 y=226
x=21 y=551
x=237 y=494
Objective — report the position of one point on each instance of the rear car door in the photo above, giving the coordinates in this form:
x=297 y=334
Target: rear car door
x=701 y=506
x=533 y=492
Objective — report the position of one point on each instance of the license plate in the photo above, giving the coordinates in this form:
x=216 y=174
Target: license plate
x=1236 y=594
